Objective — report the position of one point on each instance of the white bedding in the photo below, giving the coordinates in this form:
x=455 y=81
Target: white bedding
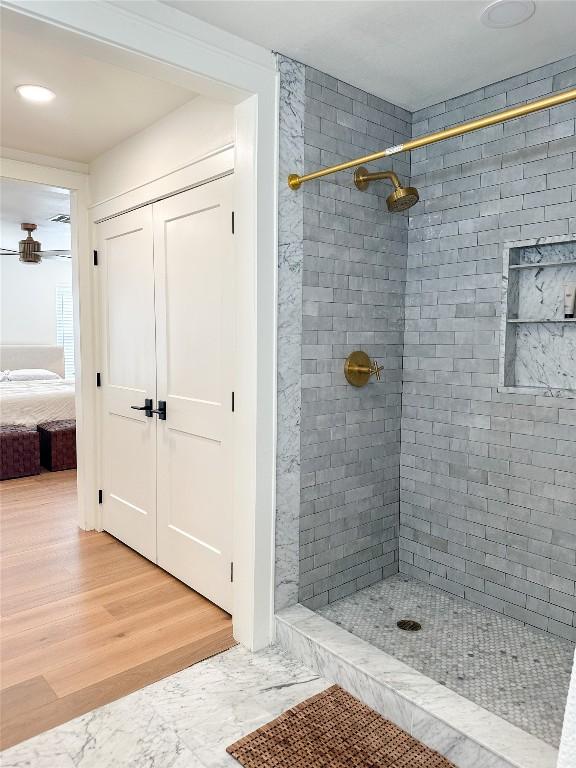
x=32 y=402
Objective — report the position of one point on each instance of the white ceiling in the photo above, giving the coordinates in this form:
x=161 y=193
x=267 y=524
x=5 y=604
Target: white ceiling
x=35 y=204
x=97 y=104
x=411 y=52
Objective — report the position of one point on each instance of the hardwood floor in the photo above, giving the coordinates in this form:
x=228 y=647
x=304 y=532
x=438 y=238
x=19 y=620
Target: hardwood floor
x=84 y=619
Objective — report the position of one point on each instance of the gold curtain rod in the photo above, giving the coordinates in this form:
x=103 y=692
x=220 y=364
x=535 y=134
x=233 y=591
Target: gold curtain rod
x=294 y=180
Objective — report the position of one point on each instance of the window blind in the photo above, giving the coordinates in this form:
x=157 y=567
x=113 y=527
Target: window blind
x=65 y=327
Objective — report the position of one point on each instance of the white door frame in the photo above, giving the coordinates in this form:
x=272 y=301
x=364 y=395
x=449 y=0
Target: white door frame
x=166 y=35
x=83 y=294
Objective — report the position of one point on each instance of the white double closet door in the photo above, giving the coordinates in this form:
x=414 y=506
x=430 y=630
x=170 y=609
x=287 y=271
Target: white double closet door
x=167 y=286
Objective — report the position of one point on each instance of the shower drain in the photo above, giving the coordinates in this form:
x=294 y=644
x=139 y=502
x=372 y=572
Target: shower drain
x=409 y=625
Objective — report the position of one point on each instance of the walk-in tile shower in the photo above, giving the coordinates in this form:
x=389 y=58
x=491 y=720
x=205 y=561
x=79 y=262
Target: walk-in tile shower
x=446 y=492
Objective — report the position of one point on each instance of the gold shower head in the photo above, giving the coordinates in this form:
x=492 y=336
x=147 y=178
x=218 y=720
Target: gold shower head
x=400 y=200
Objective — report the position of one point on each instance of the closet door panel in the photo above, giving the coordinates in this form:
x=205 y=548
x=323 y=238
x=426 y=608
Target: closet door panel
x=126 y=267
x=195 y=343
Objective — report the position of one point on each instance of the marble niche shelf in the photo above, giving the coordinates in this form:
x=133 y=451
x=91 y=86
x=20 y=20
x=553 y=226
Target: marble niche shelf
x=539 y=265
x=538 y=343
x=534 y=320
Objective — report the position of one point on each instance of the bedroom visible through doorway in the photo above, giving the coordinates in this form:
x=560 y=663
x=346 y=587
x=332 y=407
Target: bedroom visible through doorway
x=37 y=359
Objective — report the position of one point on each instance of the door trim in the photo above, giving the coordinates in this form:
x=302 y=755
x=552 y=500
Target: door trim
x=202 y=170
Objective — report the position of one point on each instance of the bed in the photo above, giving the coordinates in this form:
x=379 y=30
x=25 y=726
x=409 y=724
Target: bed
x=38 y=400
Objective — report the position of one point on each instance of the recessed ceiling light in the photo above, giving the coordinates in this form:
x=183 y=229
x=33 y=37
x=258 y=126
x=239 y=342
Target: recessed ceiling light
x=507 y=13
x=36 y=93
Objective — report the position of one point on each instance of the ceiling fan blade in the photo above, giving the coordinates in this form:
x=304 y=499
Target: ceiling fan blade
x=55 y=254
x=9 y=252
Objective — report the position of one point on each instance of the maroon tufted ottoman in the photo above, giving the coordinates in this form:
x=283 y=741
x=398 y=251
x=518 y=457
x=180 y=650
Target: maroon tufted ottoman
x=58 y=444
x=19 y=451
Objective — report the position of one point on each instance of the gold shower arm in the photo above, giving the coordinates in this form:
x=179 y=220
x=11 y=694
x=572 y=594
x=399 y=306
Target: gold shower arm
x=362 y=178
x=294 y=180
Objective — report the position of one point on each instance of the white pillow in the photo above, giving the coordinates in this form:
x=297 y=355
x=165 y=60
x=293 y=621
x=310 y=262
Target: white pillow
x=32 y=374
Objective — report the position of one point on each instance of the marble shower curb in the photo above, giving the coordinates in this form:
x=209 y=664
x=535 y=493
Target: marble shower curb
x=464 y=732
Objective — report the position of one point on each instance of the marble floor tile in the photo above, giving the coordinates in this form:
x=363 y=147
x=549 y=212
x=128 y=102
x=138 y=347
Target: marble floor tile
x=184 y=721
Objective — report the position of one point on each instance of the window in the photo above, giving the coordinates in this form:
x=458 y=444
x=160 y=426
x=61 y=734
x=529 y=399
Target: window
x=65 y=327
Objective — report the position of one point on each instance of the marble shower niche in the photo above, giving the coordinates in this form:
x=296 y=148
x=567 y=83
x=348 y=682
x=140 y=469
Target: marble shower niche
x=538 y=337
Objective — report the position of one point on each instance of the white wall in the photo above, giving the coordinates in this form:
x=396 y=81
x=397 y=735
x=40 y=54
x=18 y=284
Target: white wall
x=28 y=299
x=195 y=129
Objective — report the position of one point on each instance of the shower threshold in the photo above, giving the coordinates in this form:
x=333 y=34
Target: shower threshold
x=496 y=708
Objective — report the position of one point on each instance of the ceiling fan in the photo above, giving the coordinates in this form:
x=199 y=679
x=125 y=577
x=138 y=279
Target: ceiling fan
x=30 y=250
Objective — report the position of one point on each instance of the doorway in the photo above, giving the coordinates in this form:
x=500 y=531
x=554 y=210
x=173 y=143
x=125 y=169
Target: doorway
x=116 y=619
x=246 y=79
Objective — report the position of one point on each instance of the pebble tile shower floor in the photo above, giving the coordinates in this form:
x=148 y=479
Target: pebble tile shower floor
x=513 y=670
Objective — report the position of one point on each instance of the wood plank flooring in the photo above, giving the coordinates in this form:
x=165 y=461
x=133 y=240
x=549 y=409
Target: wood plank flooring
x=84 y=619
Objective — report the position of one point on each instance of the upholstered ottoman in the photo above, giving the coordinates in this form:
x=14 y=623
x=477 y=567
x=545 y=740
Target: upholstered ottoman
x=58 y=444
x=19 y=451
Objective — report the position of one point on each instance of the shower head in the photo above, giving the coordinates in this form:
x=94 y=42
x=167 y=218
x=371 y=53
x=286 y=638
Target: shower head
x=400 y=200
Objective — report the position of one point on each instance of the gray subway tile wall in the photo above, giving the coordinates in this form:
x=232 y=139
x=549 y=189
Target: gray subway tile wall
x=485 y=481
x=488 y=479
x=352 y=298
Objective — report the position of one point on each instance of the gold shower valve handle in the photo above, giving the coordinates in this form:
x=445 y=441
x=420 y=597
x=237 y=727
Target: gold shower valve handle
x=359 y=367
x=375 y=371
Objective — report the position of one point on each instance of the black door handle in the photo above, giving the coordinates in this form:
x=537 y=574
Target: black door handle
x=146 y=407
x=161 y=410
